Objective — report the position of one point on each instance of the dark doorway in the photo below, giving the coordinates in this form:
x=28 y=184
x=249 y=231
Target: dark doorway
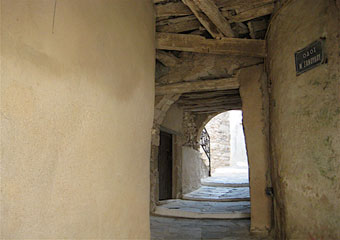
x=165 y=166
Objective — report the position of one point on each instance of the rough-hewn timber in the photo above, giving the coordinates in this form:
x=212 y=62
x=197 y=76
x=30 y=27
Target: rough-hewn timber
x=204 y=20
x=194 y=43
x=198 y=86
x=216 y=17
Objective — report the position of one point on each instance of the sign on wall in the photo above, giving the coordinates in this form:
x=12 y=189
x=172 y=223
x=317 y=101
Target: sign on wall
x=309 y=57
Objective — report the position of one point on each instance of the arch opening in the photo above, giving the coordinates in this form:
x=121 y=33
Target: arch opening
x=226 y=157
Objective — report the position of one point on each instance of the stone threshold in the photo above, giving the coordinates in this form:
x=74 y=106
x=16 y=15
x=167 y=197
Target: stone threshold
x=217 y=184
x=177 y=213
x=215 y=199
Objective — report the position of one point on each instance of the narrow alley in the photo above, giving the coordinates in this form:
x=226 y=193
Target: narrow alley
x=219 y=209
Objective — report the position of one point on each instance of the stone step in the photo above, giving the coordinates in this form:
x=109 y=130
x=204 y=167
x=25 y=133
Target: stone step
x=215 y=199
x=217 y=184
x=219 y=194
x=179 y=208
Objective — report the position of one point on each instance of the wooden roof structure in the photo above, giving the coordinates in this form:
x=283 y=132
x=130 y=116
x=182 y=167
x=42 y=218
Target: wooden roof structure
x=202 y=45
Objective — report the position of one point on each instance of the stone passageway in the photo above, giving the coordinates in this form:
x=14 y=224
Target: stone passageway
x=219 y=209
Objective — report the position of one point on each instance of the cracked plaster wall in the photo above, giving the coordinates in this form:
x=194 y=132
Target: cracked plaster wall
x=305 y=117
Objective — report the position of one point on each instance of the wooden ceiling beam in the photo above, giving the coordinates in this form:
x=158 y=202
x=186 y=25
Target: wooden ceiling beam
x=214 y=108
x=207 y=95
x=167 y=58
x=250 y=14
x=209 y=111
x=176 y=20
x=203 y=19
x=227 y=46
x=179 y=27
x=172 y=9
x=226 y=102
x=215 y=16
x=192 y=102
x=198 y=86
x=241 y=4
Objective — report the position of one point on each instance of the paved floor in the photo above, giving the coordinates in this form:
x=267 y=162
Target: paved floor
x=163 y=228
x=206 y=207
x=230 y=200
x=228 y=176
x=207 y=193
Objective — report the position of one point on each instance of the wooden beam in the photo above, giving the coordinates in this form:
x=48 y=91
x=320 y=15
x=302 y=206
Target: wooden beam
x=214 y=108
x=256 y=26
x=179 y=27
x=159 y=1
x=168 y=59
x=192 y=102
x=215 y=16
x=224 y=101
x=227 y=46
x=241 y=4
x=204 y=20
x=172 y=9
x=198 y=86
x=250 y=14
x=175 y=20
x=208 y=95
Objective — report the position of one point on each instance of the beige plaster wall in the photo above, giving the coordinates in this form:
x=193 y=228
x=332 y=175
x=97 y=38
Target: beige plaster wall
x=77 y=80
x=193 y=169
x=174 y=119
x=305 y=116
x=254 y=94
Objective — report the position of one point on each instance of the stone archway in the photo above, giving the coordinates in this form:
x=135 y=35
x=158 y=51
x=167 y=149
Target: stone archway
x=253 y=90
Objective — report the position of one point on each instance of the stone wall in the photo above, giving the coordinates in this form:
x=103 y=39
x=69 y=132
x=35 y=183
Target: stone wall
x=219 y=131
x=305 y=117
x=227 y=143
x=238 y=152
x=77 y=95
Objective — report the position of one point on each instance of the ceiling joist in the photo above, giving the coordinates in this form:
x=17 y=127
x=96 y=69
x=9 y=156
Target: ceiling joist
x=172 y=9
x=215 y=16
x=227 y=46
x=203 y=19
x=198 y=86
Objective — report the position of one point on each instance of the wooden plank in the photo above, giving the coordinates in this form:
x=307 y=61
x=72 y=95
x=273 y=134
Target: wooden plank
x=203 y=19
x=194 y=43
x=214 y=108
x=250 y=14
x=168 y=59
x=237 y=4
x=212 y=103
x=219 y=110
x=175 y=20
x=179 y=27
x=207 y=95
x=191 y=102
x=159 y=1
x=172 y=9
x=198 y=86
x=215 y=16
x=255 y=26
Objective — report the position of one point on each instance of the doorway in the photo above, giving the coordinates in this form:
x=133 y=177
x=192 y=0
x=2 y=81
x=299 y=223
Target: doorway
x=165 y=166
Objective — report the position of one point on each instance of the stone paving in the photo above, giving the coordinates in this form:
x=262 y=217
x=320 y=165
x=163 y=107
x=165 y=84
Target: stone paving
x=221 y=194
x=206 y=207
x=228 y=177
x=163 y=228
x=225 y=200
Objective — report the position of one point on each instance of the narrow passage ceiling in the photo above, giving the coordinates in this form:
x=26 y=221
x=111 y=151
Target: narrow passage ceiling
x=203 y=44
